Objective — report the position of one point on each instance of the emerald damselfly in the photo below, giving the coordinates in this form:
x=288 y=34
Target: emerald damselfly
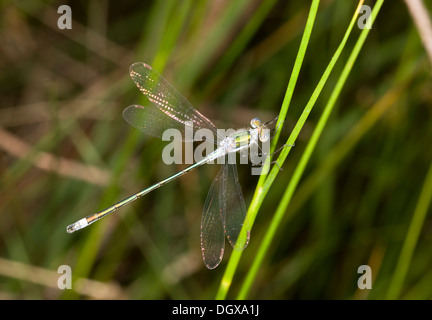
x=224 y=213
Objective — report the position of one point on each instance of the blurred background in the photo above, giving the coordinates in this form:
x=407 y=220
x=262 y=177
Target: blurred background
x=66 y=152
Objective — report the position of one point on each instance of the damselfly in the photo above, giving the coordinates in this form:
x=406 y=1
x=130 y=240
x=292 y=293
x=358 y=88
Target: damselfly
x=224 y=213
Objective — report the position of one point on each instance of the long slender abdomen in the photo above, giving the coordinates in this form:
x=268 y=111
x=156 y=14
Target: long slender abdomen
x=84 y=222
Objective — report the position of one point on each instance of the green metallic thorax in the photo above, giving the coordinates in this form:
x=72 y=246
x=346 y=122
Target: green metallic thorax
x=242 y=138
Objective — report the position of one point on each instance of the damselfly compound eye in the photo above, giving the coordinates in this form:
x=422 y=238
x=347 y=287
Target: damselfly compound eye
x=264 y=135
x=255 y=123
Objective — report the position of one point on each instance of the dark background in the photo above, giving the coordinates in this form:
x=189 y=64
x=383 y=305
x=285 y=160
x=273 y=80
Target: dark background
x=66 y=152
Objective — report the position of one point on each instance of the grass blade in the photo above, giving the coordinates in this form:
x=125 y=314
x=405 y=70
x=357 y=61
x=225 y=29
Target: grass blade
x=280 y=212
x=253 y=208
x=411 y=238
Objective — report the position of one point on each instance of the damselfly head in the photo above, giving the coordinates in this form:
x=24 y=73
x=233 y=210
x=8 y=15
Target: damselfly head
x=263 y=132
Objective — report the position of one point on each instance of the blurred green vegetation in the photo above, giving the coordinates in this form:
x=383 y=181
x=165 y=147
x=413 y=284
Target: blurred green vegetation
x=363 y=199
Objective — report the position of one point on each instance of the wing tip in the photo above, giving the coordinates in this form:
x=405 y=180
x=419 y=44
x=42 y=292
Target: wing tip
x=139 y=65
x=213 y=263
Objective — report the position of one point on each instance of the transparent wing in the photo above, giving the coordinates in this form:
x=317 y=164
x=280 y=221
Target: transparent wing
x=153 y=122
x=237 y=227
x=212 y=232
x=166 y=99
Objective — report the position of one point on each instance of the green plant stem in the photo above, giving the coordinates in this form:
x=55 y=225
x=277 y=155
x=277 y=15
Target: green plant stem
x=258 y=196
x=411 y=238
x=281 y=210
x=350 y=140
